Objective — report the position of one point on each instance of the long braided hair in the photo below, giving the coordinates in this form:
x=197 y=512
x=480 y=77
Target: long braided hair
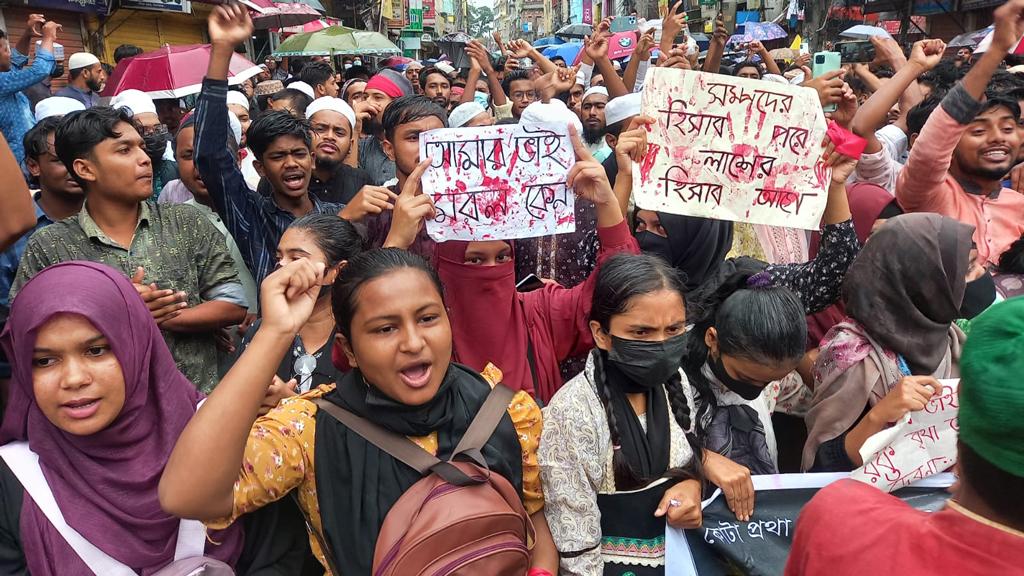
x=622 y=278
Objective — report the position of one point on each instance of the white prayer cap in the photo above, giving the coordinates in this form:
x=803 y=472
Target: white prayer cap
x=302 y=87
x=554 y=112
x=775 y=78
x=236 y=97
x=57 y=106
x=581 y=78
x=82 y=60
x=618 y=109
x=444 y=67
x=135 y=100
x=236 y=127
x=463 y=113
x=334 y=104
x=595 y=90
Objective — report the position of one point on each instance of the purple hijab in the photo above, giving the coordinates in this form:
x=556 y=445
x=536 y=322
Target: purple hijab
x=105 y=483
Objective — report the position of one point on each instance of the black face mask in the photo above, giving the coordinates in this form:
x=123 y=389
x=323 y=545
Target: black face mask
x=978 y=295
x=744 y=390
x=156 y=143
x=646 y=364
x=651 y=243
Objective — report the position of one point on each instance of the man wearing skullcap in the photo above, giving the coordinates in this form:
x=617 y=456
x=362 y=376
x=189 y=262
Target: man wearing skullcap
x=381 y=89
x=854 y=528
x=57 y=106
x=154 y=133
x=592 y=114
x=85 y=79
x=331 y=121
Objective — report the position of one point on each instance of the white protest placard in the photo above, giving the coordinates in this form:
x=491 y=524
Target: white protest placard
x=499 y=182
x=920 y=445
x=732 y=149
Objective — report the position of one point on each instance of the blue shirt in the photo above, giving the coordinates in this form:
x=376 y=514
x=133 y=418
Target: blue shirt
x=9 y=258
x=88 y=99
x=255 y=222
x=15 y=111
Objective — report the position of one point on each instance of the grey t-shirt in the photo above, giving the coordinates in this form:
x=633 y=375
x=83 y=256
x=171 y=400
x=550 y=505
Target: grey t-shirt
x=375 y=162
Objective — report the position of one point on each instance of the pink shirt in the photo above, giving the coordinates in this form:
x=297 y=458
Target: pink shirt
x=925 y=185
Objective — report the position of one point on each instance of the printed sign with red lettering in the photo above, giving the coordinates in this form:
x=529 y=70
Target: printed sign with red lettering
x=920 y=445
x=732 y=149
x=499 y=182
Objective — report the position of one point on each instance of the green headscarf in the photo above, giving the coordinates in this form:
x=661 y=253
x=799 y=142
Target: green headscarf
x=991 y=387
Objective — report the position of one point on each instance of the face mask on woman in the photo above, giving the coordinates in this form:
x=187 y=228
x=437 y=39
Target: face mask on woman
x=743 y=389
x=646 y=364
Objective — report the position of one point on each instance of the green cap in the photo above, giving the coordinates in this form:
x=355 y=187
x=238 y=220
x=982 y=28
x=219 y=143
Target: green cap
x=992 y=387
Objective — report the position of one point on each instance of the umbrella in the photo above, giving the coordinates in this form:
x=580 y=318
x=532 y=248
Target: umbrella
x=337 y=40
x=764 y=30
x=740 y=39
x=548 y=41
x=399 y=61
x=173 y=71
x=787 y=54
x=621 y=44
x=282 y=14
x=863 y=32
x=986 y=43
x=566 y=52
x=454 y=46
x=312 y=26
x=314 y=4
x=970 y=39
x=575 y=31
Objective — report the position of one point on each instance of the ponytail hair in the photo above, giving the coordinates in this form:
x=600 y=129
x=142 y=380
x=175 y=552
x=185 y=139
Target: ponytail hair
x=620 y=279
x=754 y=320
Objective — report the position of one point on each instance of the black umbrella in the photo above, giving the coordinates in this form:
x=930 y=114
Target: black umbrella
x=575 y=31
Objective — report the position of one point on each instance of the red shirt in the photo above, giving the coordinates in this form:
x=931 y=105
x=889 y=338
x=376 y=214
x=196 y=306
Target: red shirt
x=850 y=528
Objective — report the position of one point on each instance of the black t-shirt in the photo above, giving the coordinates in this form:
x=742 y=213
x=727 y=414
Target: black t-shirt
x=340 y=189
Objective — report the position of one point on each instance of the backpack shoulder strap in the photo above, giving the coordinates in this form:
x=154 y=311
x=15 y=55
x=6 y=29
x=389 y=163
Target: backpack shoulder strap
x=400 y=447
x=484 y=423
x=25 y=465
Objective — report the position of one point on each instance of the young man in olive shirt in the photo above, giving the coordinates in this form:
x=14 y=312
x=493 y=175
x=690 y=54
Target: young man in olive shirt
x=179 y=262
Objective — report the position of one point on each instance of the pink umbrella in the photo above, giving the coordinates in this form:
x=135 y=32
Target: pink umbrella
x=173 y=71
x=311 y=26
x=282 y=15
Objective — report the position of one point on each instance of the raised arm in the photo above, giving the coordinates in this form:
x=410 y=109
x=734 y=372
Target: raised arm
x=522 y=49
x=17 y=212
x=478 y=54
x=597 y=48
x=16 y=80
x=770 y=66
x=818 y=282
x=716 y=49
x=207 y=459
x=641 y=54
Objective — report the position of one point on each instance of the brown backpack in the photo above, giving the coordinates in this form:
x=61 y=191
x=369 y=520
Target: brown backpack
x=459 y=519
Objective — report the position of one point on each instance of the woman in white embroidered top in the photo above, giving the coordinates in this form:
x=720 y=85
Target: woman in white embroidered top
x=616 y=453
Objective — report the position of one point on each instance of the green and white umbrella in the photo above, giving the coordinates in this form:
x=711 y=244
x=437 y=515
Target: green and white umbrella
x=337 y=40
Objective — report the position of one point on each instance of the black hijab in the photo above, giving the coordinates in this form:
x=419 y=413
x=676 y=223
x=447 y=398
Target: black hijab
x=695 y=247
x=357 y=484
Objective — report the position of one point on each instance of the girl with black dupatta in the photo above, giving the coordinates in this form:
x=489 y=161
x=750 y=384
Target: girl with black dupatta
x=617 y=451
x=395 y=334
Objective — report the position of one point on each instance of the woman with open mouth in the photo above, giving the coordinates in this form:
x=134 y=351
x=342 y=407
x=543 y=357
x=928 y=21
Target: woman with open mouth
x=394 y=332
x=96 y=405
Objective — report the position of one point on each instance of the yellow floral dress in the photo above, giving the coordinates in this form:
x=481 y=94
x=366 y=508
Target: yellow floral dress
x=279 y=456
